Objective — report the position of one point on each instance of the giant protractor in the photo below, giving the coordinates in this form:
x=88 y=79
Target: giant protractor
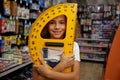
x=36 y=42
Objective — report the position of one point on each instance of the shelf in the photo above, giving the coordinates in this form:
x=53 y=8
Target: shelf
x=90 y=39
x=92 y=52
x=14 y=68
x=92 y=59
x=95 y=39
x=89 y=45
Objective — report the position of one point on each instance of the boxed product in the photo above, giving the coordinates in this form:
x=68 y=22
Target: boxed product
x=13 y=8
x=3 y=25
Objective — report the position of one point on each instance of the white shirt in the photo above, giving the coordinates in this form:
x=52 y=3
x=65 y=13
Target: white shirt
x=55 y=53
x=76 y=51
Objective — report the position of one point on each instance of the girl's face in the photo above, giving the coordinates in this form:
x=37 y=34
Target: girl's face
x=57 y=27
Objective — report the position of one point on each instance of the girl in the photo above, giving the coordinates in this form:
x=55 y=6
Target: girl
x=56 y=30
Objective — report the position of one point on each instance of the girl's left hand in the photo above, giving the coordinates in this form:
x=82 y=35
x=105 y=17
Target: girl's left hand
x=67 y=61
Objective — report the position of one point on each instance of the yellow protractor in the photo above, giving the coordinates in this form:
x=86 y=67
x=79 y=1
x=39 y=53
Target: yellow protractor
x=36 y=42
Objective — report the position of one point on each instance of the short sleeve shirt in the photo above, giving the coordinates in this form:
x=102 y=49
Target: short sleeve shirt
x=76 y=51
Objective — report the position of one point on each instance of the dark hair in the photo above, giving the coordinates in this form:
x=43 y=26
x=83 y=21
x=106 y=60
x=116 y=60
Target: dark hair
x=45 y=33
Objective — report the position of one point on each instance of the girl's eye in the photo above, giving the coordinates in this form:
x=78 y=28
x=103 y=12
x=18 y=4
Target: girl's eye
x=62 y=22
x=51 y=22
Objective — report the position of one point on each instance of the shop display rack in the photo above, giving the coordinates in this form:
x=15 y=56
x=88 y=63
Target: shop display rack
x=97 y=25
x=14 y=67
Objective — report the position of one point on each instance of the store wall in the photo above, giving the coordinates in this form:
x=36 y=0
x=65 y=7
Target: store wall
x=95 y=2
x=58 y=1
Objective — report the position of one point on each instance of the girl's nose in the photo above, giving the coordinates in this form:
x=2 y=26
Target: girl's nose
x=57 y=26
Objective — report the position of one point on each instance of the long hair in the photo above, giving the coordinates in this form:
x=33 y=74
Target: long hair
x=45 y=33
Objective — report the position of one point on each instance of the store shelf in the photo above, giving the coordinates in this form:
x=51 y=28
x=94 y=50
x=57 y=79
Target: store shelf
x=90 y=45
x=90 y=59
x=14 y=68
x=96 y=28
x=93 y=49
x=94 y=52
x=90 y=39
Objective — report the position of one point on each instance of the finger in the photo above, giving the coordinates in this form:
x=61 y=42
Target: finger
x=62 y=56
x=72 y=56
x=36 y=67
x=72 y=60
x=40 y=60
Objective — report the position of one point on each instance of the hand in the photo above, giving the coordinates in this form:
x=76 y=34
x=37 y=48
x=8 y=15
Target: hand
x=36 y=75
x=42 y=69
x=67 y=61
